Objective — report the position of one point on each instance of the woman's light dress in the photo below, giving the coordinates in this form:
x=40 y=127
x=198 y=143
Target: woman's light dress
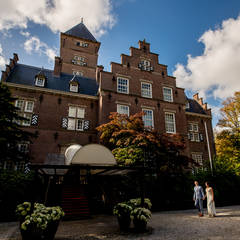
x=210 y=203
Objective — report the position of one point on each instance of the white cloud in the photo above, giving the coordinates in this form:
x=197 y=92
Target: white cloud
x=58 y=15
x=34 y=44
x=25 y=34
x=3 y=61
x=217 y=71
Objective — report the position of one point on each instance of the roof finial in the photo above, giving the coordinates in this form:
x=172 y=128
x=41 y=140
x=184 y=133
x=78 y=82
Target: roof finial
x=81 y=19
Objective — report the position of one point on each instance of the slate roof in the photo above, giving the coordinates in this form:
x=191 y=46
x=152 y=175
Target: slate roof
x=25 y=75
x=194 y=107
x=81 y=31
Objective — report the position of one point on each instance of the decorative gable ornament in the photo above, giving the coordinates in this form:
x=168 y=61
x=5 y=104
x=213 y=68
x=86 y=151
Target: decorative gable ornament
x=34 y=121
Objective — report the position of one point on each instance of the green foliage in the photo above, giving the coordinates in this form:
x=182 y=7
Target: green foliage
x=122 y=210
x=41 y=216
x=129 y=155
x=15 y=187
x=10 y=132
x=136 y=202
x=142 y=214
x=228 y=151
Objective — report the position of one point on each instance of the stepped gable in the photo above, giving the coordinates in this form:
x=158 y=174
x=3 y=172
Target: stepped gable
x=25 y=75
x=81 y=31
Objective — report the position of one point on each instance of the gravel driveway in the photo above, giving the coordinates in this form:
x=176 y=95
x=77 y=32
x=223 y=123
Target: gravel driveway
x=172 y=225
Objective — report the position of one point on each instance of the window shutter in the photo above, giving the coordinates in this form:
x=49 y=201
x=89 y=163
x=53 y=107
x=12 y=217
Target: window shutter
x=64 y=122
x=201 y=137
x=34 y=120
x=86 y=125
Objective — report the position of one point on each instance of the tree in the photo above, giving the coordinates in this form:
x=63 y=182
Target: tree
x=228 y=140
x=133 y=144
x=10 y=132
x=230 y=113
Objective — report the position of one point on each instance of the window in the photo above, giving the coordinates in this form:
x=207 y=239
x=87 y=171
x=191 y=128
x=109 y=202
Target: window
x=187 y=105
x=167 y=94
x=170 y=122
x=73 y=87
x=145 y=65
x=75 y=118
x=29 y=106
x=25 y=110
x=193 y=132
x=198 y=158
x=20 y=104
x=146 y=89
x=148 y=118
x=78 y=60
x=82 y=44
x=23 y=147
x=122 y=85
x=20 y=166
x=40 y=81
x=77 y=73
x=123 y=109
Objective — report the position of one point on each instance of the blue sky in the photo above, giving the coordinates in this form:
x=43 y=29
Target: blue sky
x=209 y=66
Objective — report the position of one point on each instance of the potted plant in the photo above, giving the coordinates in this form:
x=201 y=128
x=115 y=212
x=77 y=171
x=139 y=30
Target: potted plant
x=123 y=213
x=136 y=202
x=41 y=223
x=140 y=218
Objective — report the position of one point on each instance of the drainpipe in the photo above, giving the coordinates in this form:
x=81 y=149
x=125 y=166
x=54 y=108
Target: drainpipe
x=209 y=150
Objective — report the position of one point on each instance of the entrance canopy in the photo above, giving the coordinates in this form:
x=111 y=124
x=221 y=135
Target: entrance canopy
x=91 y=154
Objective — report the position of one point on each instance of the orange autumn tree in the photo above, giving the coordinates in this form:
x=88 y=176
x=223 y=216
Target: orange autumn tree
x=133 y=144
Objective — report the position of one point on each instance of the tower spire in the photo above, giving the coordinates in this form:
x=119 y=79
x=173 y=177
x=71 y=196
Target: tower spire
x=81 y=19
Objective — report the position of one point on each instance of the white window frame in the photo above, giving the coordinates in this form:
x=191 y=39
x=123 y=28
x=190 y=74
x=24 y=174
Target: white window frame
x=81 y=44
x=120 y=108
x=194 y=132
x=40 y=81
x=27 y=116
x=120 y=86
x=26 y=106
x=148 y=91
x=73 y=87
x=24 y=145
x=167 y=123
x=75 y=114
x=166 y=96
x=21 y=108
x=144 y=118
x=198 y=158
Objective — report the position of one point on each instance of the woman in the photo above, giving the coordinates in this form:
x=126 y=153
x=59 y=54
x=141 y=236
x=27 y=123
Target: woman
x=210 y=200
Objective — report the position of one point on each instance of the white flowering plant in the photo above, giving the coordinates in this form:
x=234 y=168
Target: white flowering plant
x=41 y=216
x=136 y=202
x=141 y=214
x=122 y=210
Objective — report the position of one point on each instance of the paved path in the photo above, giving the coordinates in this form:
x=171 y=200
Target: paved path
x=173 y=225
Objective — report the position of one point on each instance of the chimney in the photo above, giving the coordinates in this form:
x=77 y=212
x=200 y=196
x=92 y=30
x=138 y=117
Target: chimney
x=143 y=45
x=98 y=70
x=196 y=97
x=15 y=57
x=57 y=66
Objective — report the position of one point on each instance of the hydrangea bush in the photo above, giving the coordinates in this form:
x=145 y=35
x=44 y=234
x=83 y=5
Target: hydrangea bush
x=122 y=209
x=41 y=216
x=142 y=214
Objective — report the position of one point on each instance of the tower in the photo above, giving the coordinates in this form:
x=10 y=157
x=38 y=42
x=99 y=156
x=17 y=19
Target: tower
x=78 y=52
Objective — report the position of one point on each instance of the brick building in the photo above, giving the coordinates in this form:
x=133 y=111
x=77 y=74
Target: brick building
x=65 y=105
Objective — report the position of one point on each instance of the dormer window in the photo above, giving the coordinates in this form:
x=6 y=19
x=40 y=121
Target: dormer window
x=145 y=65
x=40 y=79
x=73 y=87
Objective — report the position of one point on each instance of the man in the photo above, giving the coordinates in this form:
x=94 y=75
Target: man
x=198 y=198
